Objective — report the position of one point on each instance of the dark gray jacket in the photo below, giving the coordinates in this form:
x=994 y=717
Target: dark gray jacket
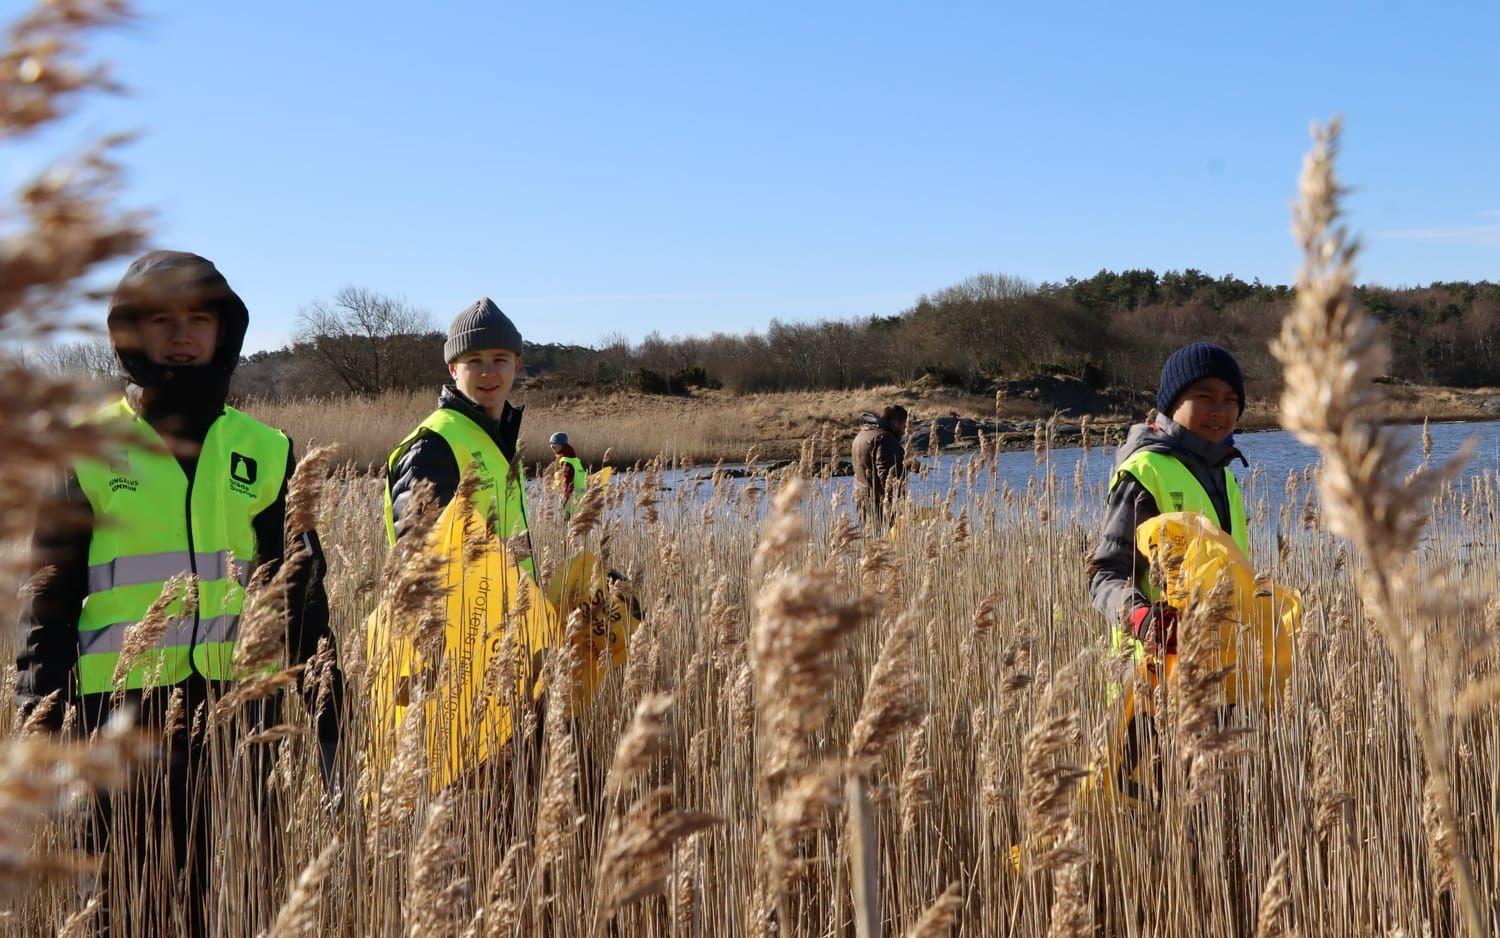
x=879 y=463
x=1116 y=563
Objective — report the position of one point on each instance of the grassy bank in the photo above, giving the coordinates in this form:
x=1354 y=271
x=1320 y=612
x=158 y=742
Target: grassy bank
x=714 y=425
x=706 y=427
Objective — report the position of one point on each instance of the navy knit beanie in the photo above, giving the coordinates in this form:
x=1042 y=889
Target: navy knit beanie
x=1193 y=363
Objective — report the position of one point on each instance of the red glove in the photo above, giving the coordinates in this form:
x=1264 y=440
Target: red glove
x=1154 y=626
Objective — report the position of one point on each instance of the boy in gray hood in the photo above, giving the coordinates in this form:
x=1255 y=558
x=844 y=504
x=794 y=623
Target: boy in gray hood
x=1177 y=461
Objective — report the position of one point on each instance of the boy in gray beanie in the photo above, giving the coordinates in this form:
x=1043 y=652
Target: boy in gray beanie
x=474 y=428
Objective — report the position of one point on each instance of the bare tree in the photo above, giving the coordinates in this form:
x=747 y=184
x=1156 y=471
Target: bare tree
x=614 y=357
x=88 y=358
x=359 y=337
x=986 y=288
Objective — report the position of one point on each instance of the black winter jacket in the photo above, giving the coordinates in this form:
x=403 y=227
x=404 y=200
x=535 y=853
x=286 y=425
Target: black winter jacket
x=48 y=655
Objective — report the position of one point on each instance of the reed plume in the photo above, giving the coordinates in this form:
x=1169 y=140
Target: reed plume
x=1071 y=915
x=557 y=814
x=785 y=531
x=1198 y=695
x=146 y=634
x=1332 y=355
x=1048 y=779
x=433 y=891
x=916 y=777
x=299 y=915
x=636 y=861
x=405 y=779
x=798 y=812
x=941 y=916
x=589 y=511
x=42 y=778
x=643 y=742
x=1271 y=917
x=305 y=493
x=892 y=702
x=1330 y=800
x=801 y=623
x=499 y=914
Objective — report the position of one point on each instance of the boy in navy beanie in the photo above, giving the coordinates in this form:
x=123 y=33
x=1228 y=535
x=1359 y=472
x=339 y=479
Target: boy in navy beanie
x=1177 y=461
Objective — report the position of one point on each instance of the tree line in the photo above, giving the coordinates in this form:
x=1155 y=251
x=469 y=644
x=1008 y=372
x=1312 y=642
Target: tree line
x=1112 y=329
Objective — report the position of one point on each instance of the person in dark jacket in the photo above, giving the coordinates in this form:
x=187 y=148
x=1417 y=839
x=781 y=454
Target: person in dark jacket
x=474 y=429
x=1178 y=460
x=200 y=490
x=879 y=462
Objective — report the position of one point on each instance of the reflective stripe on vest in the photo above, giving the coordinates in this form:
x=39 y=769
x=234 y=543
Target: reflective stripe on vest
x=1174 y=488
x=152 y=524
x=111 y=638
x=158 y=568
x=501 y=494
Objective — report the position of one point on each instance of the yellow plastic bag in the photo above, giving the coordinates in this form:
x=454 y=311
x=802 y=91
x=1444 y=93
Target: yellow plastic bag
x=467 y=713
x=608 y=617
x=1194 y=553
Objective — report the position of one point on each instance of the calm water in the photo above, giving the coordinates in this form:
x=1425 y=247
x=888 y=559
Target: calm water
x=1271 y=454
x=1275 y=453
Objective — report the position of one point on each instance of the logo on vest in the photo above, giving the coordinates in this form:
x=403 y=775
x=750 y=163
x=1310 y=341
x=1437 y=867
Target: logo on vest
x=242 y=472
x=1177 y=500
x=122 y=480
x=123 y=484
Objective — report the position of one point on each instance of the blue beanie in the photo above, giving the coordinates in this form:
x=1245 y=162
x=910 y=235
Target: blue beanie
x=1193 y=363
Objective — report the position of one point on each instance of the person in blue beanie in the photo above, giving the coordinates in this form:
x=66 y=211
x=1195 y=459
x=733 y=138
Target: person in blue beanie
x=1179 y=460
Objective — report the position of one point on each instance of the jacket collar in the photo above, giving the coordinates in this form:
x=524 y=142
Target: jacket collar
x=505 y=431
x=181 y=419
x=1217 y=455
x=1164 y=435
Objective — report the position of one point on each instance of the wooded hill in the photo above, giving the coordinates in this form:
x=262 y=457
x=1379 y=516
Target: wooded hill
x=1111 y=330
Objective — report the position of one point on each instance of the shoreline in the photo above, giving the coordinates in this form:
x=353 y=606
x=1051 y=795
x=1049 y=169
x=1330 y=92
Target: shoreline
x=1103 y=434
x=620 y=429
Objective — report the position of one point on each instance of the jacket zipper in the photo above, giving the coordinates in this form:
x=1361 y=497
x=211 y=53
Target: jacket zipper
x=502 y=483
x=193 y=568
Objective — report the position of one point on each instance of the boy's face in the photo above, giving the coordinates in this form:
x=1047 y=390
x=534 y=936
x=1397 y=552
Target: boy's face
x=178 y=335
x=1209 y=408
x=485 y=376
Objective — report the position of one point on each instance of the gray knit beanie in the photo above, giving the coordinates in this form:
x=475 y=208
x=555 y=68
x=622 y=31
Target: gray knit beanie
x=481 y=326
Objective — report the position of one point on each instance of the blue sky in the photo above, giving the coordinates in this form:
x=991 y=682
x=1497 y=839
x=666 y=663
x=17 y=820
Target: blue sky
x=691 y=168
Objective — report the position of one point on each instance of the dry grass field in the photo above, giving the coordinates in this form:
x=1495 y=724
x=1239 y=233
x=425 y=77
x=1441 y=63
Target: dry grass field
x=714 y=425
x=955 y=670
x=704 y=428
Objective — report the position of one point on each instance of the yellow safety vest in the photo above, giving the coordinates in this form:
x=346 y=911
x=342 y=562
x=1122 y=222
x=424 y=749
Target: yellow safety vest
x=580 y=482
x=152 y=523
x=1175 y=488
x=501 y=493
